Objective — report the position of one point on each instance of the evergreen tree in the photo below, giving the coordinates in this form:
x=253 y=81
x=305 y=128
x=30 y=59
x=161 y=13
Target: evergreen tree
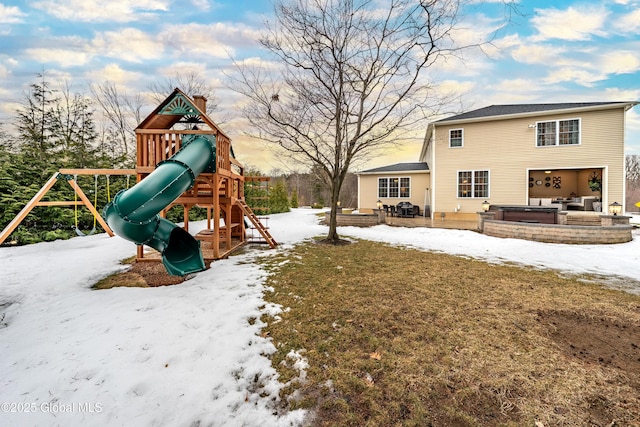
x=52 y=133
x=73 y=129
x=35 y=121
x=278 y=198
x=255 y=193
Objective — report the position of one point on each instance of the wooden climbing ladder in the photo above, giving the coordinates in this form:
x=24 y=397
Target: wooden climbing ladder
x=257 y=223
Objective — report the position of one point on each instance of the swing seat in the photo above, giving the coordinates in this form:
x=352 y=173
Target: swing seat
x=82 y=233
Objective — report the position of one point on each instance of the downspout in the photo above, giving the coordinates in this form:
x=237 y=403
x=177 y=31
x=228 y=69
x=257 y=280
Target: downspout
x=432 y=174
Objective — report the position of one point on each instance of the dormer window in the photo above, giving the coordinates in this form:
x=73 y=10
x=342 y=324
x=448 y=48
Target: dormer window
x=455 y=138
x=558 y=132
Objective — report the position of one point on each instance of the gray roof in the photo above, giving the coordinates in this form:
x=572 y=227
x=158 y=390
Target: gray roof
x=400 y=167
x=511 y=109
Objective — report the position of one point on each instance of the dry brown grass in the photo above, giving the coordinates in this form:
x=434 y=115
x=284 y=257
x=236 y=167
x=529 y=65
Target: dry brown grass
x=142 y=274
x=402 y=337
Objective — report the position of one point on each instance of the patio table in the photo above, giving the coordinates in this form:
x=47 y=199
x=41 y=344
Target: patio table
x=405 y=210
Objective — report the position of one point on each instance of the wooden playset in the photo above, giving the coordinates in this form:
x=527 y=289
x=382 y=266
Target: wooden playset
x=182 y=158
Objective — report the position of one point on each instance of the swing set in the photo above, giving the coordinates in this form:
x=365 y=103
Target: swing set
x=71 y=176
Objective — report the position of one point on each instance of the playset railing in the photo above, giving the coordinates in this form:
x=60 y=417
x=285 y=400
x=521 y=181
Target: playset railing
x=154 y=146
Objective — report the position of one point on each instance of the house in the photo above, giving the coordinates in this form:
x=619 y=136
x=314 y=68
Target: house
x=401 y=182
x=568 y=155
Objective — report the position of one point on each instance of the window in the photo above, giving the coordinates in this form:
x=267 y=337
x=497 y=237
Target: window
x=558 y=132
x=405 y=185
x=455 y=138
x=473 y=184
x=394 y=187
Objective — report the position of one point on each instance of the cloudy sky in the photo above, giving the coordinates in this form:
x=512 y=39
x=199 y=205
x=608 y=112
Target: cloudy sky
x=553 y=51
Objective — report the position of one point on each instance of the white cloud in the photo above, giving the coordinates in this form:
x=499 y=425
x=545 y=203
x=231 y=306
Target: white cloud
x=61 y=56
x=194 y=40
x=515 y=86
x=537 y=54
x=218 y=40
x=202 y=5
x=182 y=68
x=115 y=74
x=455 y=87
x=629 y=23
x=106 y=11
x=11 y=14
x=617 y=94
x=128 y=44
x=582 y=77
x=570 y=24
x=619 y=62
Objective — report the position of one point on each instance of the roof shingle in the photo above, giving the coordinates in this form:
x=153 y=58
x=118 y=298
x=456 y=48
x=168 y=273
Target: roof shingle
x=400 y=167
x=509 y=109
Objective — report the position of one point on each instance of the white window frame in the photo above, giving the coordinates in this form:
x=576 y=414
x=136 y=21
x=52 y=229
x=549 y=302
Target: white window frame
x=389 y=180
x=461 y=138
x=557 y=132
x=473 y=184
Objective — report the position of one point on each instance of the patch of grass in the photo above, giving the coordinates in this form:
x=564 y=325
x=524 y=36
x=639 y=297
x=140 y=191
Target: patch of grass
x=126 y=279
x=402 y=337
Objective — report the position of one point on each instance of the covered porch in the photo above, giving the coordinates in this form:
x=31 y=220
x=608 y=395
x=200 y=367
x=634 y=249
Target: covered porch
x=567 y=189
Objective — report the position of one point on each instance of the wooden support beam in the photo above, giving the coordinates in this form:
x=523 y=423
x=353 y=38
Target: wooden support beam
x=216 y=221
x=97 y=171
x=64 y=203
x=84 y=200
x=89 y=205
x=29 y=206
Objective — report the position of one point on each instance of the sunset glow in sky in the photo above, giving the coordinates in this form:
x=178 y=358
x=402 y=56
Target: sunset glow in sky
x=553 y=51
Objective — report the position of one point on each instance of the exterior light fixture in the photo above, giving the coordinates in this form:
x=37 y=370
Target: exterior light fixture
x=338 y=203
x=547 y=171
x=379 y=204
x=615 y=208
x=532 y=126
x=485 y=206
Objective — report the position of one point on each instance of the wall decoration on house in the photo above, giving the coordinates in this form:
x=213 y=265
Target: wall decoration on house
x=547 y=184
x=557 y=181
x=538 y=182
x=547 y=179
x=595 y=183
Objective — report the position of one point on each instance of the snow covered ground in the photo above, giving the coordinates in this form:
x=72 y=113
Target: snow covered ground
x=189 y=354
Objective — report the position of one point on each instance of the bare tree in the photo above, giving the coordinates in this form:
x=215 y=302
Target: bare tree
x=632 y=167
x=122 y=113
x=349 y=78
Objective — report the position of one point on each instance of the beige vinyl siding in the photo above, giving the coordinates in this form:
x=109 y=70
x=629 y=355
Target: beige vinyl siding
x=368 y=189
x=507 y=149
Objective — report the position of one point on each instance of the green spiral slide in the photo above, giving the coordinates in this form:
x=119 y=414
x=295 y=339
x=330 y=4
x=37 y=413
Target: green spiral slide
x=134 y=213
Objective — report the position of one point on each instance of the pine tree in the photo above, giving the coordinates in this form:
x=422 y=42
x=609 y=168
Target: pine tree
x=51 y=134
x=35 y=121
x=73 y=129
x=278 y=198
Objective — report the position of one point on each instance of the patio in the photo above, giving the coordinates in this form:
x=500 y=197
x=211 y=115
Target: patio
x=420 y=221
x=573 y=218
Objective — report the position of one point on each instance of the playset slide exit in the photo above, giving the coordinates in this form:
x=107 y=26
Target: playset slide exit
x=134 y=213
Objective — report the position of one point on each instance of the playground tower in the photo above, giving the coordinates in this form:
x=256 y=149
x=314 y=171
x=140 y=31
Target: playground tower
x=183 y=158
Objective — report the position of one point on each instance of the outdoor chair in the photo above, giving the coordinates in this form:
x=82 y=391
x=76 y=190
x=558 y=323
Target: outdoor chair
x=416 y=211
